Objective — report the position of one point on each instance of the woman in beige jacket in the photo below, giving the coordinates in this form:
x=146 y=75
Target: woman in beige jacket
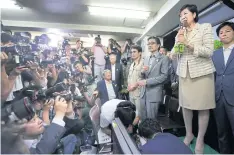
x=195 y=70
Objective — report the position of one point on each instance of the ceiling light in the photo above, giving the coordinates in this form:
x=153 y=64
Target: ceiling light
x=113 y=12
x=9 y=4
x=54 y=31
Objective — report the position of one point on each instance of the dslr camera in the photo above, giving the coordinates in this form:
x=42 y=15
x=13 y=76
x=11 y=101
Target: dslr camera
x=18 y=110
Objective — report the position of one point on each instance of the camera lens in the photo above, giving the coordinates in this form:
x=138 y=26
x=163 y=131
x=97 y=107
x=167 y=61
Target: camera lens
x=23 y=108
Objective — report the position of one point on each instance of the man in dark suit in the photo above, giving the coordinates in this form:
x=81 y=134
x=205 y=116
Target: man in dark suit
x=223 y=60
x=160 y=143
x=107 y=89
x=42 y=140
x=154 y=74
x=116 y=71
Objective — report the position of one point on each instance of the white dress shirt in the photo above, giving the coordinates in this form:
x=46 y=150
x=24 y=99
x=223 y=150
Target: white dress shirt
x=113 y=72
x=110 y=90
x=227 y=52
x=107 y=112
x=17 y=86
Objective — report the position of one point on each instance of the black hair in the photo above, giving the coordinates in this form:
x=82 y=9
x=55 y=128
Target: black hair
x=157 y=40
x=6 y=38
x=138 y=48
x=129 y=41
x=126 y=112
x=230 y=24
x=77 y=62
x=192 y=8
x=164 y=48
x=148 y=128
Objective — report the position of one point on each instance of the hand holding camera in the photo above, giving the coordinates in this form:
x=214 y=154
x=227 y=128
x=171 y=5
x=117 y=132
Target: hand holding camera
x=32 y=65
x=60 y=107
x=18 y=70
x=48 y=104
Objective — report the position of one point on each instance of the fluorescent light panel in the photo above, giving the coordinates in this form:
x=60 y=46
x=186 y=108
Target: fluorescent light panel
x=8 y=4
x=113 y=12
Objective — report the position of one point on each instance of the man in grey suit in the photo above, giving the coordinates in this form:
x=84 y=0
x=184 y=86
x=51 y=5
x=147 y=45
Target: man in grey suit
x=154 y=74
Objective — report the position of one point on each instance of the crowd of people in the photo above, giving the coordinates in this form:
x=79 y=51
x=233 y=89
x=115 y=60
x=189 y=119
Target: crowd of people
x=48 y=99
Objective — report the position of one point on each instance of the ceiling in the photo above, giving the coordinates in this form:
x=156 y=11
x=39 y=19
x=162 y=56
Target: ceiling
x=72 y=19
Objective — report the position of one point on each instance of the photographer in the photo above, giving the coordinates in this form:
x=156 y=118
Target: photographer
x=50 y=138
x=126 y=59
x=83 y=56
x=115 y=48
x=10 y=82
x=87 y=86
x=99 y=52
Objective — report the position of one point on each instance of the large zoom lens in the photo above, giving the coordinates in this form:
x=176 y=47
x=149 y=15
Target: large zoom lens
x=59 y=87
x=18 y=110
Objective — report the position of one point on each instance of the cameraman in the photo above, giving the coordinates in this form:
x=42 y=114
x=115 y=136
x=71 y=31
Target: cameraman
x=42 y=140
x=10 y=82
x=99 y=52
x=82 y=53
x=126 y=59
x=115 y=48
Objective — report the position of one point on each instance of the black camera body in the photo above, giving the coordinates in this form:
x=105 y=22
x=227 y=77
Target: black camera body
x=18 y=110
x=125 y=61
x=65 y=43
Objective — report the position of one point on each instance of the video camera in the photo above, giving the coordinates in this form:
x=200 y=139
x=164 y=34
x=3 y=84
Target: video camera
x=60 y=89
x=65 y=43
x=114 y=43
x=125 y=60
x=18 y=110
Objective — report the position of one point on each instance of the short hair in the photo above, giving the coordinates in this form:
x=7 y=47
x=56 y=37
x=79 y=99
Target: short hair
x=77 y=62
x=230 y=24
x=157 y=40
x=137 y=47
x=164 y=48
x=112 y=54
x=6 y=38
x=105 y=71
x=148 y=128
x=125 y=111
x=192 y=8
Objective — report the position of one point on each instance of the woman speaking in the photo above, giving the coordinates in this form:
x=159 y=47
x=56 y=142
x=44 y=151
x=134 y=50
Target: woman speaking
x=194 y=47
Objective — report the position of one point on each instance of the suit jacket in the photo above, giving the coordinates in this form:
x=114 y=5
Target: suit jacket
x=198 y=61
x=165 y=143
x=133 y=77
x=118 y=74
x=50 y=139
x=102 y=91
x=155 y=78
x=224 y=77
